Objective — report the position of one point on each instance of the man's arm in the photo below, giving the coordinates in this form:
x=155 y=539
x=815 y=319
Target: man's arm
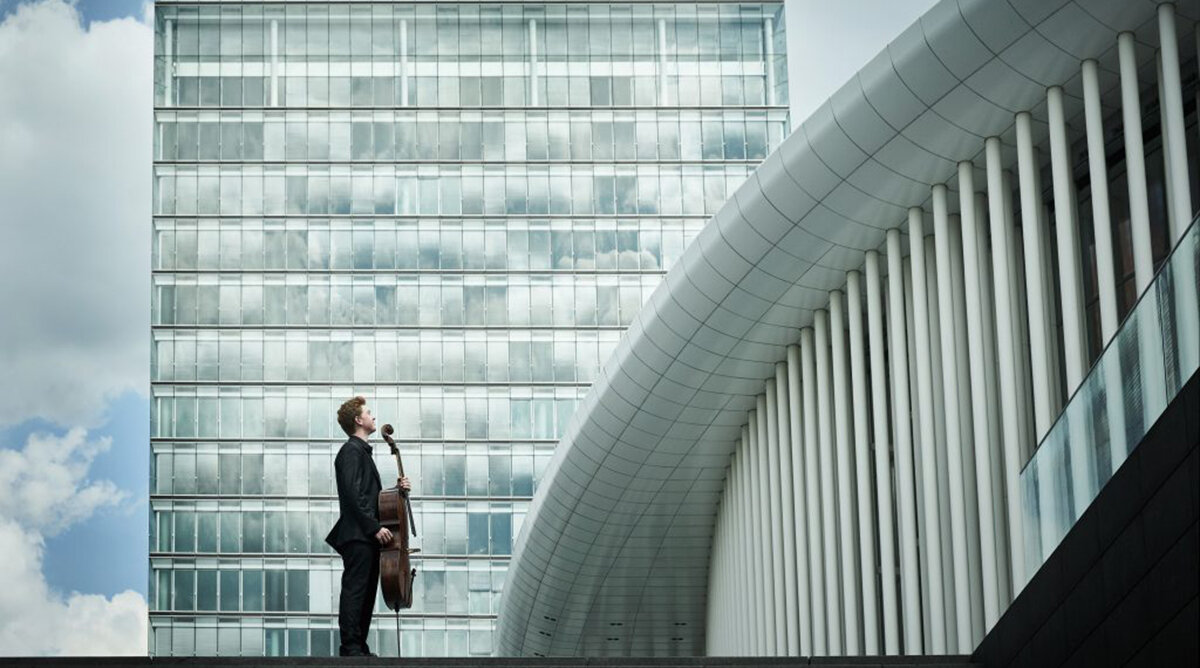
x=351 y=471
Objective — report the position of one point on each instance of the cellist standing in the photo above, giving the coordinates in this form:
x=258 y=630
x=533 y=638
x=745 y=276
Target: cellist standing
x=357 y=536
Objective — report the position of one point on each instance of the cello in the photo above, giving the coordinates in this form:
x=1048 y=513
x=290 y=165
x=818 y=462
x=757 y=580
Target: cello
x=396 y=573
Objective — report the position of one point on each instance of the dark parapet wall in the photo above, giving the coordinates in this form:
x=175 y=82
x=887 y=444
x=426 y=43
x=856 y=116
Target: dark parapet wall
x=1121 y=589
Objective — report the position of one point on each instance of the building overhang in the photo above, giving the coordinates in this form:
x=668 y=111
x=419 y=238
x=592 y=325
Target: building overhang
x=613 y=557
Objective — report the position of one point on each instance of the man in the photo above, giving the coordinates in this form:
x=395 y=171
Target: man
x=358 y=536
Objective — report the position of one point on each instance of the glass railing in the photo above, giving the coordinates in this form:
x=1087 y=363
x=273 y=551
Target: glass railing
x=1155 y=351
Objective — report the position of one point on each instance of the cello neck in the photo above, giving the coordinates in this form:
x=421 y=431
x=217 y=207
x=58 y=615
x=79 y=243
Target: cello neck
x=399 y=464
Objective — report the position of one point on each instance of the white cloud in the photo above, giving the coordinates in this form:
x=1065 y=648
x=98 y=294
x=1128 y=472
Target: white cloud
x=36 y=621
x=45 y=485
x=44 y=490
x=75 y=130
x=75 y=184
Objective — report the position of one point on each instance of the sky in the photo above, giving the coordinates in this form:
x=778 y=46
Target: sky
x=91 y=10
x=75 y=185
x=828 y=42
x=75 y=120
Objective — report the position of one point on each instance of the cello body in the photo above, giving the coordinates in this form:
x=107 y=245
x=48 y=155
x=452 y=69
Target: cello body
x=396 y=573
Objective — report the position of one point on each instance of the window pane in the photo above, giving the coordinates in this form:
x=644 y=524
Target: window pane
x=275 y=591
x=206 y=590
x=477 y=533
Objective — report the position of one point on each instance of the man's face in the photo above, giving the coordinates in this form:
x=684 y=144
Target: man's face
x=366 y=420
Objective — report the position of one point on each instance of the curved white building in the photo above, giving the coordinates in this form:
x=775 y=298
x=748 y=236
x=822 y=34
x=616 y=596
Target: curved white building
x=811 y=441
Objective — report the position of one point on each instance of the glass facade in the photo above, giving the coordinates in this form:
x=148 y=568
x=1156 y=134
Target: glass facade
x=454 y=209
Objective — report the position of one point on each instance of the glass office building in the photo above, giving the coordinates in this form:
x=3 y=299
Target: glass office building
x=454 y=209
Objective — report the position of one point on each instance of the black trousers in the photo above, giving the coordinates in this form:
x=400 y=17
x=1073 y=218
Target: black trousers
x=360 y=581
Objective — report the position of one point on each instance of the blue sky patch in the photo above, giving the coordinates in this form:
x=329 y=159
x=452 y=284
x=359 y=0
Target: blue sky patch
x=107 y=553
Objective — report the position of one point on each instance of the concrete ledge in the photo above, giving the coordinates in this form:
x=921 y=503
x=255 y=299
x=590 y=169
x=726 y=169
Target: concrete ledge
x=475 y=662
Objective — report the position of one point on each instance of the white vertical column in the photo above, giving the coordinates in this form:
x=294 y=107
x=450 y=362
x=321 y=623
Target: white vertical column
x=737 y=576
x=733 y=536
x=533 y=63
x=1101 y=218
x=908 y=321
x=1175 y=151
x=750 y=641
x=1149 y=332
x=1009 y=407
x=843 y=451
x=729 y=631
x=737 y=591
x=1168 y=186
x=862 y=465
x=812 y=493
x=967 y=449
x=716 y=594
x=711 y=642
x=950 y=393
x=769 y=436
x=404 y=62
x=902 y=431
x=750 y=631
x=829 y=499
x=731 y=597
x=1053 y=352
x=721 y=575
x=1031 y=231
x=883 y=470
x=714 y=638
x=1020 y=314
x=1039 y=341
x=741 y=577
x=729 y=578
x=981 y=420
x=789 y=397
x=941 y=472
x=662 y=63
x=994 y=443
x=168 y=63
x=1171 y=101
x=1069 y=274
x=1135 y=162
x=758 y=434
x=925 y=404
x=778 y=405
x=1071 y=290
x=769 y=52
x=754 y=484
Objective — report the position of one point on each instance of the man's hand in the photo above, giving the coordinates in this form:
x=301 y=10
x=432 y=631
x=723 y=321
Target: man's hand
x=405 y=485
x=383 y=536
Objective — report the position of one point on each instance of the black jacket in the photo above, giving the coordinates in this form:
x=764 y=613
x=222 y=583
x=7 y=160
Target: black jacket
x=358 y=489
